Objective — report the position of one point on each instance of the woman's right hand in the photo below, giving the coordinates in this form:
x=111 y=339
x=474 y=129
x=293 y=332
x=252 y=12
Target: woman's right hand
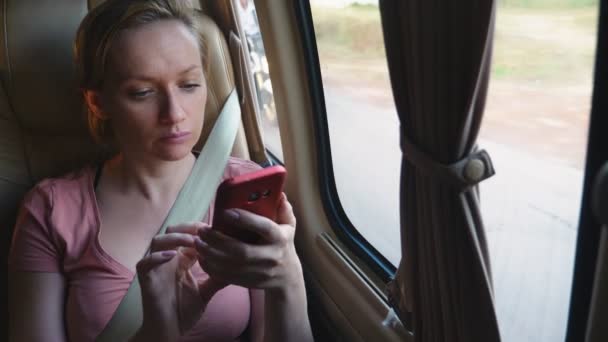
x=173 y=300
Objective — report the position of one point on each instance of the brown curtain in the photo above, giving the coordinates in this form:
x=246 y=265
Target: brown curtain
x=439 y=58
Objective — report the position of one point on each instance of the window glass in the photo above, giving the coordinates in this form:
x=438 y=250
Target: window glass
x=267 y=115
x=362 y=119
x=535 y=129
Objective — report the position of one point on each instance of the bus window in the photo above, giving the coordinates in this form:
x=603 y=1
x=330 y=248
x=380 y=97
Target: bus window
x=267 y=116
x=535 y=129
x=362 y=119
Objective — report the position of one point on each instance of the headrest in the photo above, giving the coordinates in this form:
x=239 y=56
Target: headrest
x=39 y=78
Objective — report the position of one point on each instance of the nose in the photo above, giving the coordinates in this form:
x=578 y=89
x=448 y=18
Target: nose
x=171 y=111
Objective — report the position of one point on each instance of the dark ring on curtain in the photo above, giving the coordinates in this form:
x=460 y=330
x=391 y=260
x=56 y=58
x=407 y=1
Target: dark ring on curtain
x=463 y=174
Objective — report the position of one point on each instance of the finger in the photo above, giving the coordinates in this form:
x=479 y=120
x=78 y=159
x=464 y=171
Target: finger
x=234 y=254
x=285 y=213
x=217 y=237
x=247 y=275
x=206 y=251
x=187 y=228
x=190 y=252
x=219 y=270
x=227 y=244
x=260 y=225
x=193 y=229
x=216 y=244
x=253 y=272
x=171 y=241
x=153 y=260
x=187 y=257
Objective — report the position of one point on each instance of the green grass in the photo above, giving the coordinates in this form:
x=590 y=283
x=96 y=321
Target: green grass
x=353 y=32
x=546 y=40
x=546 y=45
x=551 y=4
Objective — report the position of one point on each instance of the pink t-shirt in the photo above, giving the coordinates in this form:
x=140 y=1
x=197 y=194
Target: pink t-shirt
x=57 y=231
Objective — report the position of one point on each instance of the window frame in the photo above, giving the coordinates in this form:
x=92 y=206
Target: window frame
x=273 y=159
x=339 y=221
x=589 y=229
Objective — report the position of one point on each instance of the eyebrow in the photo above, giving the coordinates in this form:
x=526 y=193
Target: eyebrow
x=146 y=78
x=190 y=68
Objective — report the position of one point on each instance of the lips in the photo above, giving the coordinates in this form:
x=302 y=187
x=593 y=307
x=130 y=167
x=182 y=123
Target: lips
x=175 y=138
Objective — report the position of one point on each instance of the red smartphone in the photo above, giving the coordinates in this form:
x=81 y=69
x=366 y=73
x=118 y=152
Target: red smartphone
x=258 y=192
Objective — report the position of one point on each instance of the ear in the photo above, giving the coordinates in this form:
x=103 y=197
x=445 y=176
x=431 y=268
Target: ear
x=94 y=103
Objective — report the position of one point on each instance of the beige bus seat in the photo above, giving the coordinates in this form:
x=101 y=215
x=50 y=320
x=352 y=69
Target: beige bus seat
x=43 y=129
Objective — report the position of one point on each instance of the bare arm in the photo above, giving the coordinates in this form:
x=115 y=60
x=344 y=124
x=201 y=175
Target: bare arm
x=280 y=315
x=286 y=314
x=36 y=307
x=256 y=329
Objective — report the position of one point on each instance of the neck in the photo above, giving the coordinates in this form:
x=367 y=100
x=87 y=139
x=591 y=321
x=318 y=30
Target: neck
x=153 y=180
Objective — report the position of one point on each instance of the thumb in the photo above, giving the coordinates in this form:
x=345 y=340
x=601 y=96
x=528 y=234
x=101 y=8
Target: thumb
x=149 y=262
x=285 y=212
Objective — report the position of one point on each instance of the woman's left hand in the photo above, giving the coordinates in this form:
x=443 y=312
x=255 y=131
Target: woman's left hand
x=173 y=299
x=270 y=264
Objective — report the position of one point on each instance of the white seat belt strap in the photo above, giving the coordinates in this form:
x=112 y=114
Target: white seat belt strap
x=192 y=202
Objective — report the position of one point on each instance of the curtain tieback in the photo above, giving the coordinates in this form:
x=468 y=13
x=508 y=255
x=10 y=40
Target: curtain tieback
x=463 y=174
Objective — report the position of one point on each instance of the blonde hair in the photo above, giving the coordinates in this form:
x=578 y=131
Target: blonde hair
x=99 y=29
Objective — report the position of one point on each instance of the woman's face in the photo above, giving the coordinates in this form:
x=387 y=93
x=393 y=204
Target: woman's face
x=154 y=91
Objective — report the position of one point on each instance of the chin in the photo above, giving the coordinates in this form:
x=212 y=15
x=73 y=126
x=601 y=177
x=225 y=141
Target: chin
x=174 y=154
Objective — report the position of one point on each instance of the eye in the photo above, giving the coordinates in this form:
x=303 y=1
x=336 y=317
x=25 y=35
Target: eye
x=140 y=94
x=191 y=87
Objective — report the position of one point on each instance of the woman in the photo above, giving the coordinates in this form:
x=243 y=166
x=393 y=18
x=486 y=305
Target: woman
x=79 y=239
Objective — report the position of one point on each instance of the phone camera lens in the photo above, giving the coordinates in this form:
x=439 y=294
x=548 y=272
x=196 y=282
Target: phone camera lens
x=266 y=193
x=254 y=196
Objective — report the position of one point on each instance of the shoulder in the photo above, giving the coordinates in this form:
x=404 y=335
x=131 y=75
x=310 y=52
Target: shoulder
x=68 y=186
x=50 y=214
x=72 y=180
x=238 y=166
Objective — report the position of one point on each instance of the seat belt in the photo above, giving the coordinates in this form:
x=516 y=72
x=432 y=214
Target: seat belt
x=192 y=202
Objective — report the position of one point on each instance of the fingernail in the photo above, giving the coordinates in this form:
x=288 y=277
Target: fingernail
x=170 y=253
x=199 y=243
x=231 y=215
x=204 y=231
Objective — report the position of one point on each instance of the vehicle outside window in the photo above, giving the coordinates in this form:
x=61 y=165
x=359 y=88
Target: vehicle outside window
x=258 y=64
